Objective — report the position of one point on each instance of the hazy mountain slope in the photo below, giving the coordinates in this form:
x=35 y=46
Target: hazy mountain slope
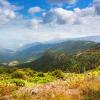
x=32 y=51
x=90 y=38
x=35 y=51
x=73 y=46
x=27 y=46
x=5 y=54
x=83 y=60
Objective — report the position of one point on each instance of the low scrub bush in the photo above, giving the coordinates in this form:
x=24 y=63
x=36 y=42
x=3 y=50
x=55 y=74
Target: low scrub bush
x=40 y=74
x=18 y=82
x=92 y=95
x=30 y=72
x=19 y=74
x=41 y=79
x=6 y=70
x=58 y=74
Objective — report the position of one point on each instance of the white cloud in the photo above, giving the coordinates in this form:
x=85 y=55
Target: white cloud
x=16 y=34
x=89 y=11
x=62 y=16
x=34 y=10
x=35 y=23
x=65 y=16
x=4 y=3
x=97 y=6
x=57 y=23
x=49 y=16
x=7 y=11
x=63 y=1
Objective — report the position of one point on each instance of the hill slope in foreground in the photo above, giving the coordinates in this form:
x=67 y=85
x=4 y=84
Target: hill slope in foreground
x=21 y=84
x=57 y=79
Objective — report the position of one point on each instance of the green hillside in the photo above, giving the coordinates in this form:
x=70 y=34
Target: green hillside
x=33 y=52
x=73 y=46
x=79 y=62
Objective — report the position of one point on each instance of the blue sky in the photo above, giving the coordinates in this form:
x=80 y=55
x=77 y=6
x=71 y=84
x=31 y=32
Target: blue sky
x=45 y=4
x=29 y=21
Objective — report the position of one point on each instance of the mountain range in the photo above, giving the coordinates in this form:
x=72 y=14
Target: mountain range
x=33 y=51
x=79 y=62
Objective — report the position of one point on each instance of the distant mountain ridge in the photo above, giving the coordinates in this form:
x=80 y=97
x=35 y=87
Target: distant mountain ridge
x=90 y=38
x=78 y=62
x=33 y=51
x=84 y=38
x=5 y=54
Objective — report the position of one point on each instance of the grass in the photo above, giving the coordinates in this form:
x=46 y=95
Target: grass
x=26 y=84
x=83 y=90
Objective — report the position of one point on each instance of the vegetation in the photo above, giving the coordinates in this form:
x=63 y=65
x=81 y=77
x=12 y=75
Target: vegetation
x=32 y=52
x=54 y=76
x=55 y=85
x=79 y=62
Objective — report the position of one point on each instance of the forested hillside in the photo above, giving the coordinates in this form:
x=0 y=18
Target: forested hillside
x=79 y=62
x=32 y=52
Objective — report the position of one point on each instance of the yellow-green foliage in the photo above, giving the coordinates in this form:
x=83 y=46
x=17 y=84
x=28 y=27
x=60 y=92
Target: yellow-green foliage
x=62 y=86
x=58 y=74
x=18 y=74
x=7 y=89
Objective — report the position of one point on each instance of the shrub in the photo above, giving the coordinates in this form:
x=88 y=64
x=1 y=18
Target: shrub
x=58 y=74
x=92 y=95
x=18 y=74
x=40 y=74
x=29 y=72
x=18 y=82
x=45 y=79
x=6 y=70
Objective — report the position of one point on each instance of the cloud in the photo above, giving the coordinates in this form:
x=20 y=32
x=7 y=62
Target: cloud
x=16 y=34
x=7 y=11
x=89 y=11
x=49 y=17
x=4 y=3
x=97 y=6
x=57 y=23
x=35 y=23
x=63 y=1
x=34 y=10
x=9 y=14
x=63 y=16
x=96 y=0
x=60 y=16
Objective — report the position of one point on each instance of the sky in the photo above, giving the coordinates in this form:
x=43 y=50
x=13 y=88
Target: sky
x=28 y=21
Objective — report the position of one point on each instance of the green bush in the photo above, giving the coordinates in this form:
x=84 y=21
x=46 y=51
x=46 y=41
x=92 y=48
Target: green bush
x=41 y=79
x=18 y=74
x=29 y=72
x=18 y=82
x=92 y=95
x=58 y=74
x=40 y=74
x=7 y=70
